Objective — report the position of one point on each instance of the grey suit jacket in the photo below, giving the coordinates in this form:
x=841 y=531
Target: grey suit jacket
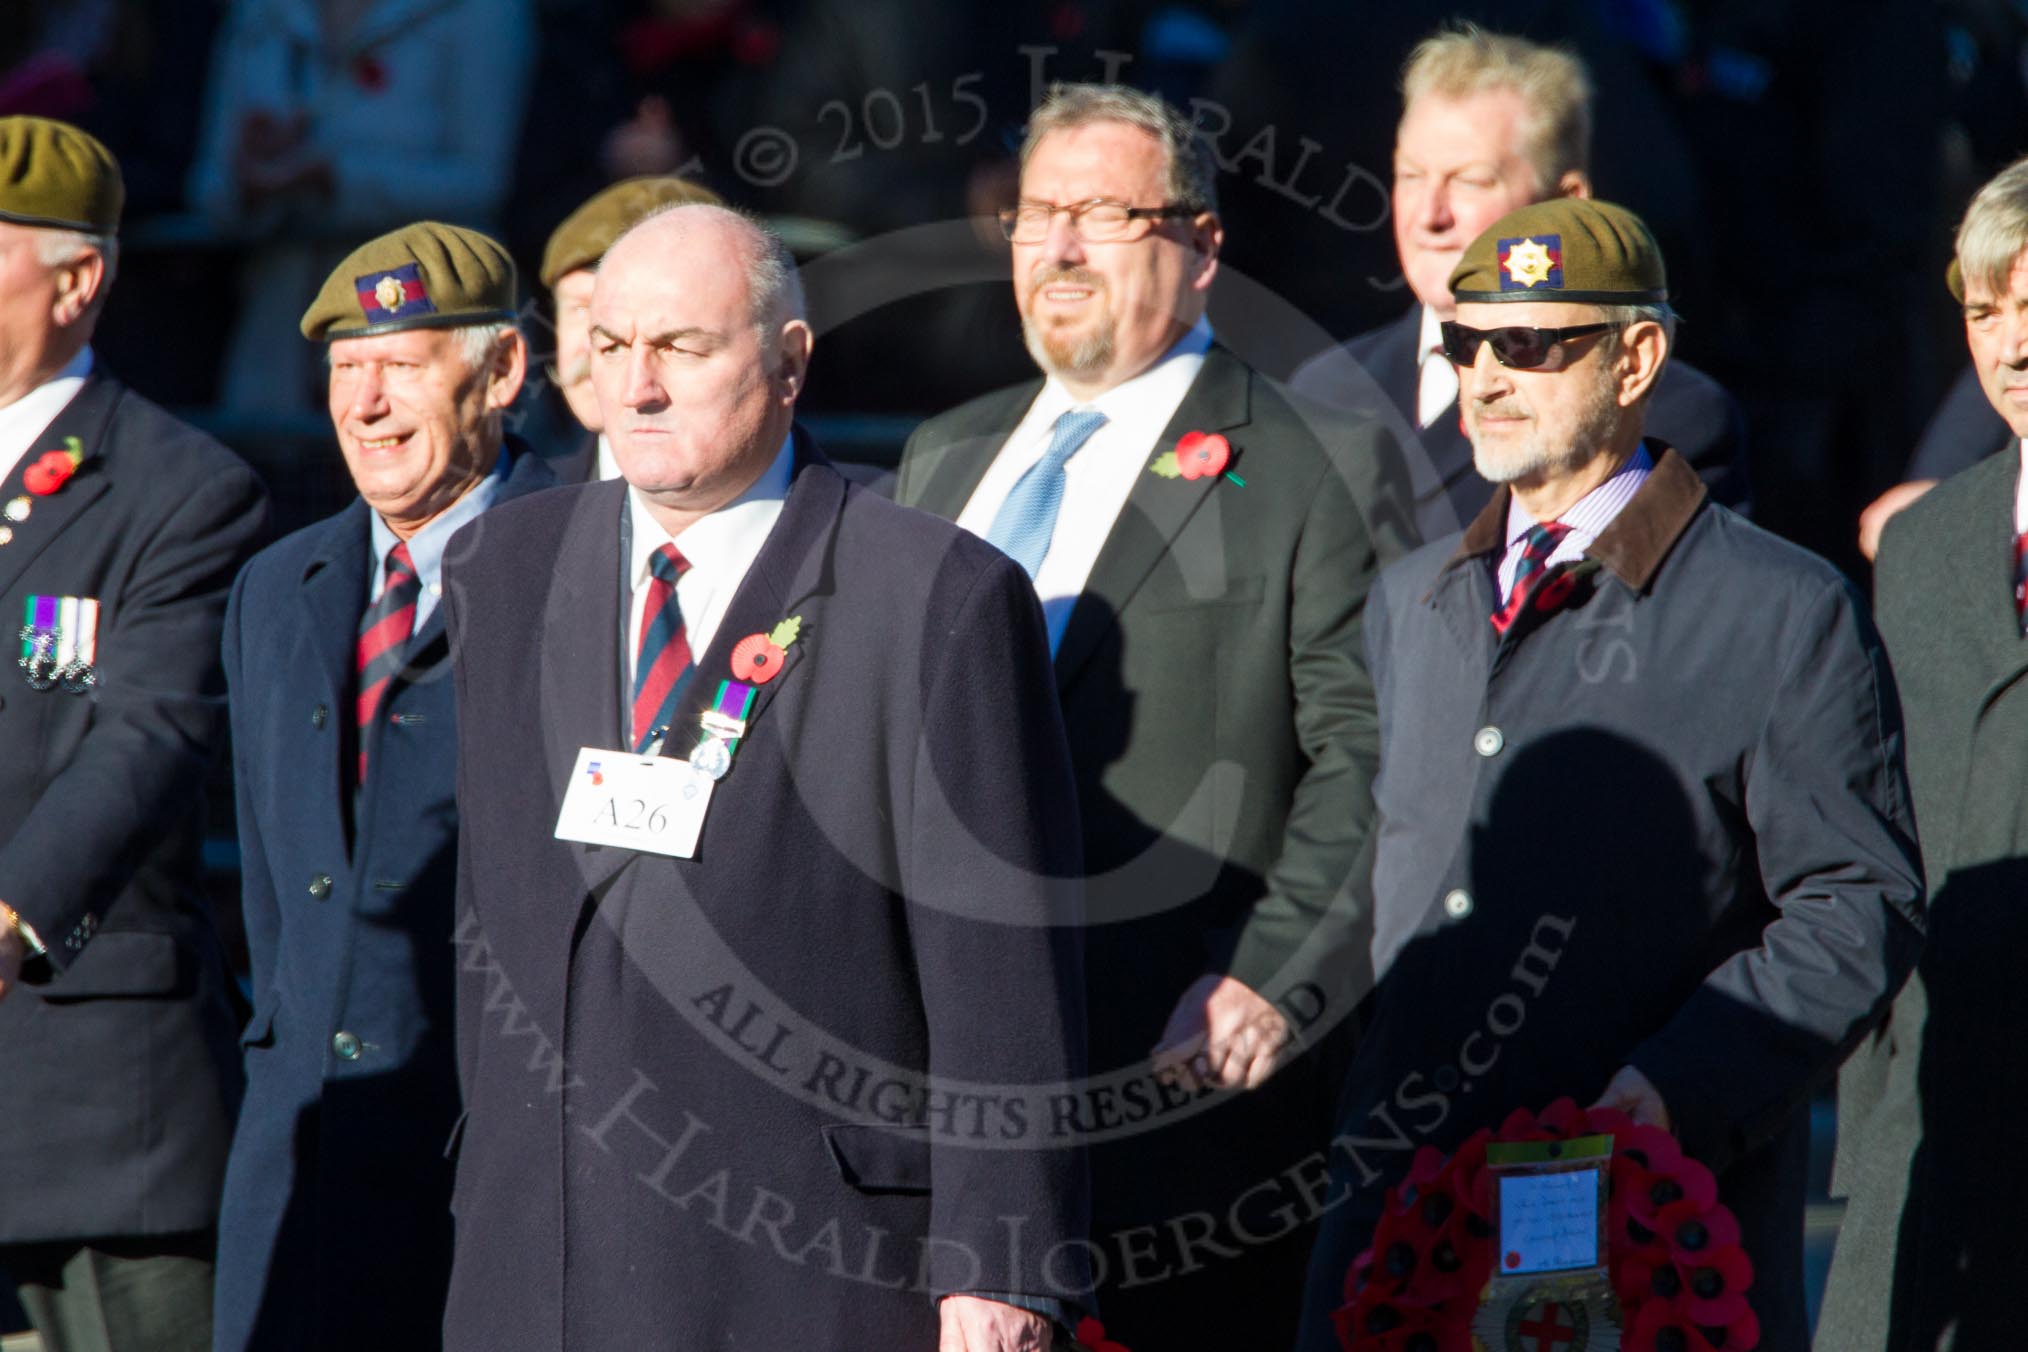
x=1932 y=1250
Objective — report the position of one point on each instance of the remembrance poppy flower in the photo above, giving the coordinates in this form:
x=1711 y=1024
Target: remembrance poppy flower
x=1202 y=455
x=49 y=472
x=756 y=659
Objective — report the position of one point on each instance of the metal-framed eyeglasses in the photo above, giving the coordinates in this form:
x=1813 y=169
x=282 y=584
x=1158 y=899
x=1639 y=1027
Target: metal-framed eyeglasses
x=1100 y=220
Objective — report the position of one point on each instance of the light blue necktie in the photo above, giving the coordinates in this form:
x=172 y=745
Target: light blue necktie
x=1026 y=520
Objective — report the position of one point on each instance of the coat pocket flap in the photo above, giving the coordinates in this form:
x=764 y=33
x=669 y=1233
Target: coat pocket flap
x=259 y=1030
x=881 y=1159
x=126 y=963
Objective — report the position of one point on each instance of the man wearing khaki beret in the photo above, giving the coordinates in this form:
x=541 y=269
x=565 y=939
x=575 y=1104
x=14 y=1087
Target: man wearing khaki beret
x=1647 y=832
x=120 y=530
x=335 y=1228
x=570 y=263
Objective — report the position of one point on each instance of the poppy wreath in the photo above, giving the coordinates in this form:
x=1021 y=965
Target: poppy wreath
x=1673 y=1250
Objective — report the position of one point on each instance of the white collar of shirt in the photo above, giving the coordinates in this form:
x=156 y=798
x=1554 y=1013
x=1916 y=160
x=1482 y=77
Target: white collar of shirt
x=426 y=546
x=1436 y=386
x=28 y=417
x=2021 y=494
x=607 y=467
x=1587 y=517
x=720 y=547
x=1099 y=477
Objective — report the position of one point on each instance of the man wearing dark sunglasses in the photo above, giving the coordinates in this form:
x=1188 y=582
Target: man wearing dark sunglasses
x=1646 y=834
x=1491 y=123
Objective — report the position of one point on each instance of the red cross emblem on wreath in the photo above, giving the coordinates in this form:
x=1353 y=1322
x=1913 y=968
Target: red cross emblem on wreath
x=1550 y=1327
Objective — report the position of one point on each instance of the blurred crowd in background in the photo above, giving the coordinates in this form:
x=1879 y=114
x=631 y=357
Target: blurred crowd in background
x=1801 y=161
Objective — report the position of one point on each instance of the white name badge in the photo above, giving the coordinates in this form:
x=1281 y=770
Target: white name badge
x=654 y=804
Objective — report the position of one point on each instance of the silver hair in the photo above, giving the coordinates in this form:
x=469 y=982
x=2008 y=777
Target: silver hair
x=1995 y=230
x=1192 y=177
x=1626 y=315
x=478 y=341
x=56 y=248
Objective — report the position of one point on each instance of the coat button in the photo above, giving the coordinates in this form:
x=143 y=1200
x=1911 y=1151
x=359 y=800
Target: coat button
x=1457 y=903
x=320 y=886
x=318 y=715
x=1488 y=741
x=346 y=1045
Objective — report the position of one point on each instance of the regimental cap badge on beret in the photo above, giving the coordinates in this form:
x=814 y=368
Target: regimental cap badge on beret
x=57 y=176
x=427 y=275
x=394 y=294
x=1526 y=263
x=1565 y=249
x=585 y=235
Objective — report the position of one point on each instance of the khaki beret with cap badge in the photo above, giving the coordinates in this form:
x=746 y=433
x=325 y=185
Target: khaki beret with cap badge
x=422 y=276
x=585 y=235
x=55 y=176
x=1565 y=249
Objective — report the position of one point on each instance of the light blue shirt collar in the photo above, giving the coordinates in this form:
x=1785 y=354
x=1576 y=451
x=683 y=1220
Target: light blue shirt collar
x=426 y=546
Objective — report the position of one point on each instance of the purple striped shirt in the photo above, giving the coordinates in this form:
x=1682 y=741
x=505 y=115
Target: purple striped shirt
x=1587 y=517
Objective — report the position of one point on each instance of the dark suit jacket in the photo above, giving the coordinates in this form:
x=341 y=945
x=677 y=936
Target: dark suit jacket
x=1377 y=373
x=337 y=1183
x=1222 y=729
x=117 y=1076
x=658 y=1151
x=1626 y=835
x=1932 y=1251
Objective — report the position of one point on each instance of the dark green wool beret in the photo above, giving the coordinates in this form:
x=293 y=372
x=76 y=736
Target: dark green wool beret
x=422 y=276
x=1568 y=249
x=54 y=175
x=585 y=235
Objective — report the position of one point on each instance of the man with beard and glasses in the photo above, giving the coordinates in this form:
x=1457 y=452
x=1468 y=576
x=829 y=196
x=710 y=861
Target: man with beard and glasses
x=1202 y=548
x=1646 y=837
x=570 y=265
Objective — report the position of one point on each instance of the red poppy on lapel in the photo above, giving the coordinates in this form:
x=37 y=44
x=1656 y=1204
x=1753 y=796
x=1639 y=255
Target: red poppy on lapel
x=757 y=660
x=1202 y=455
x=52 y=469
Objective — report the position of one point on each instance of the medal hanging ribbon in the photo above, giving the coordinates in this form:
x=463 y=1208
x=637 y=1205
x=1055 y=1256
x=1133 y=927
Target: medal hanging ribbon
x=723 y=724
x=59 y=641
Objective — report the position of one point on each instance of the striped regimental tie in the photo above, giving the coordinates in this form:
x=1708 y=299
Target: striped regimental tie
x=384 y=632
x=663 y=660
x=1530 y=573
x=1027 y=519
x=2021 y=581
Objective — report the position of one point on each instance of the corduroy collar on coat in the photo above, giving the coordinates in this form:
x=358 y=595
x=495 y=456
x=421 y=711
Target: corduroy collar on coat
x=1638 y=539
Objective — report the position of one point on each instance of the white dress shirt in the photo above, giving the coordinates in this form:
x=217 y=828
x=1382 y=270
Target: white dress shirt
x=1098 y=479
x=1437 y=384
x=23 y=422
x=1587 y=518
x=605 y=467
x=2021 y=494
x=720 y=548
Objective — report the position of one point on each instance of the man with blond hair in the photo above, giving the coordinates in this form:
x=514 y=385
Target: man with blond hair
x=1931 y=1252
x=1489 y=123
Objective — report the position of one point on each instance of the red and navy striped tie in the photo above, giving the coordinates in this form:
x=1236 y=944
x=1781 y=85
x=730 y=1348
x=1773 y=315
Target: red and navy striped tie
x=384 y=633
x=1530 y=573
x=663 y=659
x=2021 y=581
